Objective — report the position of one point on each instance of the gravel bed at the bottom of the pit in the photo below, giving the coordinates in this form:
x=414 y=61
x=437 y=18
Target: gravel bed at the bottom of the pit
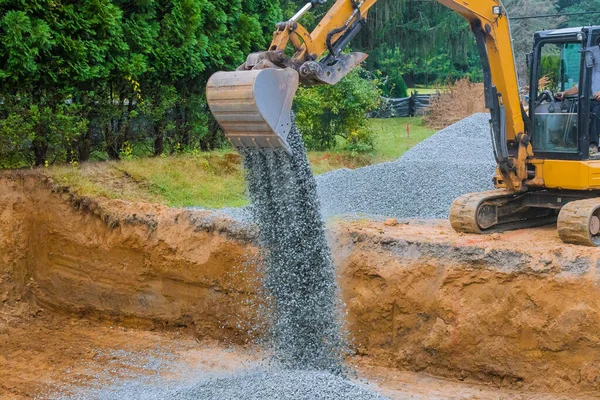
x=241 y=385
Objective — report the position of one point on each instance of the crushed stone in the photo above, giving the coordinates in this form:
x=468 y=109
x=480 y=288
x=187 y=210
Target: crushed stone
x=299 y=277
x=421 y=184
x=256 y=384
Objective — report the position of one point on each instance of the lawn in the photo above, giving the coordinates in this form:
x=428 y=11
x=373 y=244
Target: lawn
x=216 y=179
x=427 y=89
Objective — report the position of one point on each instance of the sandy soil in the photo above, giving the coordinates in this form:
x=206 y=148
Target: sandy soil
x=42 y=354
x=518 y=310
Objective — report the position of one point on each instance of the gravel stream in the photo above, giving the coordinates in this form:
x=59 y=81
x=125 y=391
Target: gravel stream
x=299 y=275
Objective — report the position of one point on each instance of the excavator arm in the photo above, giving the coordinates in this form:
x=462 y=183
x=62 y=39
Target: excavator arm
x=253 y=104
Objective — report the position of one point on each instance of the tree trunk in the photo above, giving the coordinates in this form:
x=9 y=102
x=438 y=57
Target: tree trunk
x=112 y=139
x=181 y=127
x=159 y=141
x=40 y=147
x=84 y=145
x=410 y=79
x=209 y=141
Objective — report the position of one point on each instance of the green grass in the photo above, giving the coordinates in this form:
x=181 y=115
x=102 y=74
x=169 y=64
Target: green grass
x=216 y=179
x=210 y=180
x=392 y=139
x=427 y=89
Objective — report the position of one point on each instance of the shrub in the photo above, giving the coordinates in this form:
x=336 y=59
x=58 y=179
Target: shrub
x=393 y=85
x=89 y=76
x=325 y=113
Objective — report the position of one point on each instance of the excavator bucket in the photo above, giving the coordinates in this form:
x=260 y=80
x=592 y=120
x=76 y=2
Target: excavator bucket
x=254 y=107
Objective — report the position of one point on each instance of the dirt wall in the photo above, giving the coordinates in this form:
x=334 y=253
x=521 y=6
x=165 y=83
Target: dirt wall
x=520 y=311
x=137 y=263
x=13 y=240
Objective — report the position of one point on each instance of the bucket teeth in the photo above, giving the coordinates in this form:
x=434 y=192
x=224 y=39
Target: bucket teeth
x=254 y=107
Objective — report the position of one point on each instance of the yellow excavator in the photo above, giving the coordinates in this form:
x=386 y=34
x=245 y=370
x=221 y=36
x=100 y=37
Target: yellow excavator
x=545 y=173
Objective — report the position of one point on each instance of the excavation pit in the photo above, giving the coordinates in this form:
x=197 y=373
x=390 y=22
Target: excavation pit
x=514 y=312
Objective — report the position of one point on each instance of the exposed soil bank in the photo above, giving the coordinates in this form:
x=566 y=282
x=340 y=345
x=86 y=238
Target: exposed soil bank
x=138 y=263
x=48 y=355
x=518 y=310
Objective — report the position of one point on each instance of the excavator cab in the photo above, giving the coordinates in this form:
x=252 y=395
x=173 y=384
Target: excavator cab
x=562 y=181
x=561 y=60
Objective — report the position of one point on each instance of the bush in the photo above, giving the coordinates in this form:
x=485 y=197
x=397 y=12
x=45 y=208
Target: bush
x=393 y=85
x=324 y=113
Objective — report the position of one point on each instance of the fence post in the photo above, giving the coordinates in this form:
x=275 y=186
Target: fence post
x=412 y=105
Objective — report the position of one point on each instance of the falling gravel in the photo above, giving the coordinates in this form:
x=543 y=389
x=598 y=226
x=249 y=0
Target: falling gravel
x=422 y=183
x=299 y=277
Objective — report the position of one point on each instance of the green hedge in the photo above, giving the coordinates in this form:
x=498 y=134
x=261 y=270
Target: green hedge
x=78 y=77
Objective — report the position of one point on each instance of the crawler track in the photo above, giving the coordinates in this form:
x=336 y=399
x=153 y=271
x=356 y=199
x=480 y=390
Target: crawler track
x=579 y=222
x=497 y=211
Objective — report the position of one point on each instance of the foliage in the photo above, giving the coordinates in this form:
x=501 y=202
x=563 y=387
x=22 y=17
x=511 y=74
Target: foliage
x=550 y=67
x=427 y=42
x=115 y=78
x=524 y=29
x=421 y=42
x=391 y=68
x=324 y=113
x=580 y=6
x=93 y=75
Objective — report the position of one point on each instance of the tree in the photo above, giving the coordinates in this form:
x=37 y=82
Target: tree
x=430 y=42
x=523 y=30
x=197 y=38
x=582 y=6
x=48 y=51
x=87 y=75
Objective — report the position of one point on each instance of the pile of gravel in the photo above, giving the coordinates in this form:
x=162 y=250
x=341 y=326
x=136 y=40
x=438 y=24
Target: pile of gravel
x=250 y=385
x=299 y=277
x=423 y=183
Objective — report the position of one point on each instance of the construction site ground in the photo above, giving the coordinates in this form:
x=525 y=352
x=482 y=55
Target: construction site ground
x=92 y=287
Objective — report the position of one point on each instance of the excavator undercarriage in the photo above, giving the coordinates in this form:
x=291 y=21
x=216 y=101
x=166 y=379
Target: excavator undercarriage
x=576 y=213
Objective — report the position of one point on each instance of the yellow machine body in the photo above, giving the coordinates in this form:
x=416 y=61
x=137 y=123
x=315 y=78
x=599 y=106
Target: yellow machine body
x=565 y=174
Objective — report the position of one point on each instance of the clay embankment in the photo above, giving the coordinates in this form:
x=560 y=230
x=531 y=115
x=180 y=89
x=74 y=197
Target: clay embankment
x=519 y=309
x=137 y=263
